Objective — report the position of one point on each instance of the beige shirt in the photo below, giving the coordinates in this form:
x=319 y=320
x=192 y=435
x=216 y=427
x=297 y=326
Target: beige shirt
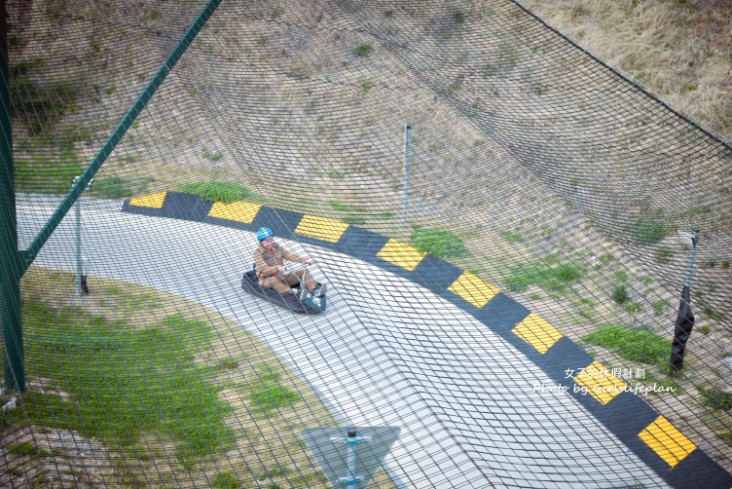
x=267 y=261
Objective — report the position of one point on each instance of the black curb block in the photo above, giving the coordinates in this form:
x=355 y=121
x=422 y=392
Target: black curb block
x=626 y=416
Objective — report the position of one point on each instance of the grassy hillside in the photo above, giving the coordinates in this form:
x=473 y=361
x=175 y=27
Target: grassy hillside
x=565 y=183
x=681 y=50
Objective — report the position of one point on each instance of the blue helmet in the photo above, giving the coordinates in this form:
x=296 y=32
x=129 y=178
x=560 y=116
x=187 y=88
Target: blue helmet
x=264 y=233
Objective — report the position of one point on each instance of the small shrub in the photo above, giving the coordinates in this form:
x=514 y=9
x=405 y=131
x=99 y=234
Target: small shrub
x=363 y=50
x=46 y=173
x=366 y=84
x=438 y=242
x=620 y=294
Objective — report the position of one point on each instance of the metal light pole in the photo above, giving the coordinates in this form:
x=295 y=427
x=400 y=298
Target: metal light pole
x=408 y=139
x=351 y=440
x=81 y=284
x=685 y=316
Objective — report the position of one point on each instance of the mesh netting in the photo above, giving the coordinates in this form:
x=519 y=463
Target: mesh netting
x=502 y=296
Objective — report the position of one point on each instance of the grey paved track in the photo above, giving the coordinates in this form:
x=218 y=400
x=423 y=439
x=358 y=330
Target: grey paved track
x=386 y=352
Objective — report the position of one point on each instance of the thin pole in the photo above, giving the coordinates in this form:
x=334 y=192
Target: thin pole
x=129 y=118
x=685 y=317
x=405 y=205
x=692 y=257
x=14 y=263
x=79 y=271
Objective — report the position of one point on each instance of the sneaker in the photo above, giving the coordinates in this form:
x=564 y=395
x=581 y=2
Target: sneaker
x=320 y=290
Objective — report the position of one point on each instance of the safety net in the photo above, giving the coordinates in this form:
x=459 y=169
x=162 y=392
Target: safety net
x=526 y=254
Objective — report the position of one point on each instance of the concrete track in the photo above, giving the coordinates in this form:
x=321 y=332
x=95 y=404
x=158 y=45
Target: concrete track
x=470 y=407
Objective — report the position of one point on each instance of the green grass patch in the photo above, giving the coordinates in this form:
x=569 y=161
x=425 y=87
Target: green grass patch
x=354 y=214
x=266 y=393
x=633 y=307
x=650 y=227
x=226 y=192
x=115 y=187
x=634 y=344
x=355 y=220
x=511 y=237
x=124 y=383
x=47 y=172
x=605 y=259
x=213 y=157
x=227 y=480
x=555 y=276
x=716 y=398
x=726 y=436
x=668 y=384
x=662 y=255
x=341 y=207
x=438 y=242
x=227 y=364
x=40 y=103
x=26 y=449
x=659 y=306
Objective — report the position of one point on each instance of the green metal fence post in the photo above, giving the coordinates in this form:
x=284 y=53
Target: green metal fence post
x=10 y=267
x=15 y=263
x=81 y=183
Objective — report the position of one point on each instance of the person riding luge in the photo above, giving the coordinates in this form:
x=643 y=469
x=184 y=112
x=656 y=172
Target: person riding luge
x=269 y=260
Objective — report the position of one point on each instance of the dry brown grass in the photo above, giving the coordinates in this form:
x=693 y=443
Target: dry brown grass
x=680 y=50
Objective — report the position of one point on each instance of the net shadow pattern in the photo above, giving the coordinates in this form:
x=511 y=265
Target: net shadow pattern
x=533 y=166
